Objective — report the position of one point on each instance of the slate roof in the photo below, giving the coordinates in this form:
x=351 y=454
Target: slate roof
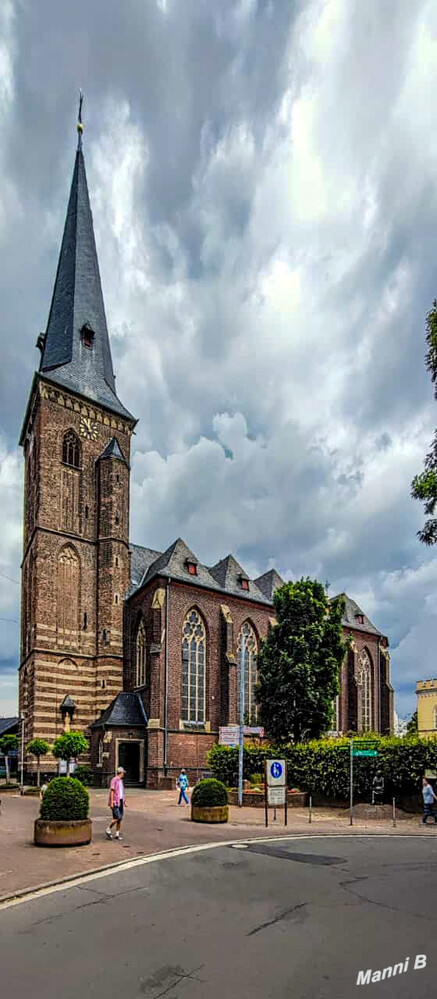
x=77 y=302
x=6 y=724
x=350 y=617
x=113 y=450
x=141 y=559
x=228 y=573
x=223 y=577
x=126 y=710
x=269 y=582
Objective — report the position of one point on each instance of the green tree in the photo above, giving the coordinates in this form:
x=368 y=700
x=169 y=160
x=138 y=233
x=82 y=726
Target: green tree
x=38 y=748
x=8 y=744
x=424 y=486
x=412 y=727
x=69 y=746
x=299 y=662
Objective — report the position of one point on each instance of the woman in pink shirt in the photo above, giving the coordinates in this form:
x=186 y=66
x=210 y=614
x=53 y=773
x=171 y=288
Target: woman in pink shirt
x=116 y=803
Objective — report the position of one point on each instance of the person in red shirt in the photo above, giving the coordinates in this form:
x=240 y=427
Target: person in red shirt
x=116 y=803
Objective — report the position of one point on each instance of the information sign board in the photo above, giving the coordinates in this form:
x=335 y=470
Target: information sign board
x=275 y=770
x=228 y=735
x=364 y=752
x=276 y=795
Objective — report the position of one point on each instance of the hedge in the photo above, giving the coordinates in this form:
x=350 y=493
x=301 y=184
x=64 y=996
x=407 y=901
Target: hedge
x=209 y=793
x=322 y=766
x=65 y=799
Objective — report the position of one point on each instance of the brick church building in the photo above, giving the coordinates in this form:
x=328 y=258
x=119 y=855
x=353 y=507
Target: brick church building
x=138 y=648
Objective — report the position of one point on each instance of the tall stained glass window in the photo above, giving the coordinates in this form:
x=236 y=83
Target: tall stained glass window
x=247 y=642
x=365 y=682
x=193 y=668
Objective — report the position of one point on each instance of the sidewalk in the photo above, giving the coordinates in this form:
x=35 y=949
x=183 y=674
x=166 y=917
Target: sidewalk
x=153 y=823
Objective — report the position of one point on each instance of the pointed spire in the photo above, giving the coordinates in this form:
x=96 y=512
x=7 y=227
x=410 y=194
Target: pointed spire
x=79 y=122
x=75 y=351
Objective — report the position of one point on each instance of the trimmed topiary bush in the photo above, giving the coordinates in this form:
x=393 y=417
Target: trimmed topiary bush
x=209 y=794
x=65 y=799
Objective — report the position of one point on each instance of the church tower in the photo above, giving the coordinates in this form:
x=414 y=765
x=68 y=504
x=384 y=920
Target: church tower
x=76 y=438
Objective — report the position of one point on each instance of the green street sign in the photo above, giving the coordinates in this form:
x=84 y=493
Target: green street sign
x=364 y=752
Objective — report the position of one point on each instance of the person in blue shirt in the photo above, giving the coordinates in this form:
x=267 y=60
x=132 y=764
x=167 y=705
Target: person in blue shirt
x=182 y=784
x=428 y=800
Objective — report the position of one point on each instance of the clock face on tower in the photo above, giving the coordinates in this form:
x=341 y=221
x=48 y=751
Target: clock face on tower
x=88 y=429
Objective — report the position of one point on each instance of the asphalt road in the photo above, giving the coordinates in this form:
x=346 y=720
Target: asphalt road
x=295 y=919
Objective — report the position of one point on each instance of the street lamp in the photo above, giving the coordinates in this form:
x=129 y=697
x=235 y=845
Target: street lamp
x=22 y=756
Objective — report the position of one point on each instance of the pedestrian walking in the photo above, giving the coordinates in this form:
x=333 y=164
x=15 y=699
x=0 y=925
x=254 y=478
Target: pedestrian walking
x=429 y=797
x=117 y=802
x=182 y=784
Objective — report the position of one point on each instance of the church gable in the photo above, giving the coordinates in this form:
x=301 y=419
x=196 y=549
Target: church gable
x=229 y=574
x=269 y=582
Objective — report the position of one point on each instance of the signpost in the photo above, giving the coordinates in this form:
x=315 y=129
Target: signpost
x=228 y=735
x=357 y=748
x=275 y=787
x=241 y=732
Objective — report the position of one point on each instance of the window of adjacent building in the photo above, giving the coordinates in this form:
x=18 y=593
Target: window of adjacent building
x=193 y=668
x=247 y=653
x=140 y=658
x=364 y=678
x=192 y=568
x=71 y=450
x=244 y=583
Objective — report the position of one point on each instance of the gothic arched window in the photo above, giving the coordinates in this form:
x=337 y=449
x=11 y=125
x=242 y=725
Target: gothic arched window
x=364 y=678
x=71 y=449
x=140 y=655
x=193 y=668
x=247 y=652
x=67 y=611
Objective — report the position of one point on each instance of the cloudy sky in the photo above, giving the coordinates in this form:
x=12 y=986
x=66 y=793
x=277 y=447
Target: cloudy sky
x=263 y=175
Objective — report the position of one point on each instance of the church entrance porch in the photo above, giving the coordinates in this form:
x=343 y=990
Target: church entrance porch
x=130 y=756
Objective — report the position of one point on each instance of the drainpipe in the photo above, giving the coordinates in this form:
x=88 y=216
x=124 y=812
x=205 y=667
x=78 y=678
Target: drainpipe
x=167 y=605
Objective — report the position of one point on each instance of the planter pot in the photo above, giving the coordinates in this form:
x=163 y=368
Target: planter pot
x=77 y=832
x=213 y=813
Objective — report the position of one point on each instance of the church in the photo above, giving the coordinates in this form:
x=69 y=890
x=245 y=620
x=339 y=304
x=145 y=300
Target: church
x=141 y=650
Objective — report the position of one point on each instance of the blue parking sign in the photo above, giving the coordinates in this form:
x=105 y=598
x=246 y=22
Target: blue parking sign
x=276 y=769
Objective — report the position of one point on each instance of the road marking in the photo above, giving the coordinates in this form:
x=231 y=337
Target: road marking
x=74 y=881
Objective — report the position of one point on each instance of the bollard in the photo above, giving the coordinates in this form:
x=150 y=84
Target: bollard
x=394 y=812
x=310 y=810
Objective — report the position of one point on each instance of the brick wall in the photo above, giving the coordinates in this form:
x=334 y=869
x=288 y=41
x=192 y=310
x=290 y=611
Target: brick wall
x=75 y=561
x=186 y=748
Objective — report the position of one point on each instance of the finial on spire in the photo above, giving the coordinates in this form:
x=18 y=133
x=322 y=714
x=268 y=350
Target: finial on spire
x=79 y=121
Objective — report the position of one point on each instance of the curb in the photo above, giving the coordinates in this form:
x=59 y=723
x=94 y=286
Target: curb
x=71 y=880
